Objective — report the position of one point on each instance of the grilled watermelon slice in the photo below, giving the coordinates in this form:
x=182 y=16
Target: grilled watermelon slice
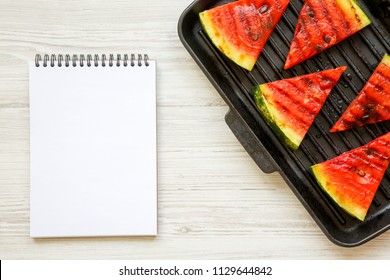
x=352 y=178
x=240 y=29
x=372 y=104
x=290 y=106
x=322 y=24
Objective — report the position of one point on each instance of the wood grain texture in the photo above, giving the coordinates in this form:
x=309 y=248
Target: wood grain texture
x=214 y=202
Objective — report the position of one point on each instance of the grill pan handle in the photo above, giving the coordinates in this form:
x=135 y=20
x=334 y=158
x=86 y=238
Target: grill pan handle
x=250 y=142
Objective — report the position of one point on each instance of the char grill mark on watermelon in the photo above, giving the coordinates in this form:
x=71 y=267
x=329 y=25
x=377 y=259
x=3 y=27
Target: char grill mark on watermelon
x=333 y=32
x=340 y=19
x=372 y=104
x=313 y=33
x=353 y=178
x=291 y=104
x=248 y=24
x=294 y=91
x=322 y=24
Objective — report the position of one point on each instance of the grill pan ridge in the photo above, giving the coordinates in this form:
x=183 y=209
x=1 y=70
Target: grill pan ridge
x=361 y=53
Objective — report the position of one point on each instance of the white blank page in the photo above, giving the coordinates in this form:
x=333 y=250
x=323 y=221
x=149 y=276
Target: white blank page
x=93 y=151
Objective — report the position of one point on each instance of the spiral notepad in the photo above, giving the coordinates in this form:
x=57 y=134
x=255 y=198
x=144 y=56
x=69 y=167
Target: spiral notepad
x=93 y=146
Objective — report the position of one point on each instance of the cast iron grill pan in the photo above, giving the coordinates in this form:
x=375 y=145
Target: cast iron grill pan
x=361 y=53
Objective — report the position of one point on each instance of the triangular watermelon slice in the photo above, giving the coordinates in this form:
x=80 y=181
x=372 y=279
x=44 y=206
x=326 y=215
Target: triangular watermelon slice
x=352 y=178
x=240 y=29
x=322 y=24
x=372 y=104
x=290 y=106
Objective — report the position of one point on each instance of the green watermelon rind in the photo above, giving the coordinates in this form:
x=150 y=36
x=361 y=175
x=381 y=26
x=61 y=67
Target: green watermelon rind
x=325 y=183
x=268 y=113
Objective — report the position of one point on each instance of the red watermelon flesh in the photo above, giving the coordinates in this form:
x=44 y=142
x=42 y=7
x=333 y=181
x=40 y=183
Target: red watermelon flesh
x=352 y=178
x=322 y=24
x=372 y=104
x=290 y=106
x=241 y=29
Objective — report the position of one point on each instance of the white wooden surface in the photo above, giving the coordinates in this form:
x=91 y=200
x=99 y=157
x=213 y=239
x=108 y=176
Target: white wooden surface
x=214 y=202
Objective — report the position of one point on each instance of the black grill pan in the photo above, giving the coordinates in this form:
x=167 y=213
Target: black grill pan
x=361 y=53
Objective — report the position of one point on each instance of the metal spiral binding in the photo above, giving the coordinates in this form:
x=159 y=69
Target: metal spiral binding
x=89 y=60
